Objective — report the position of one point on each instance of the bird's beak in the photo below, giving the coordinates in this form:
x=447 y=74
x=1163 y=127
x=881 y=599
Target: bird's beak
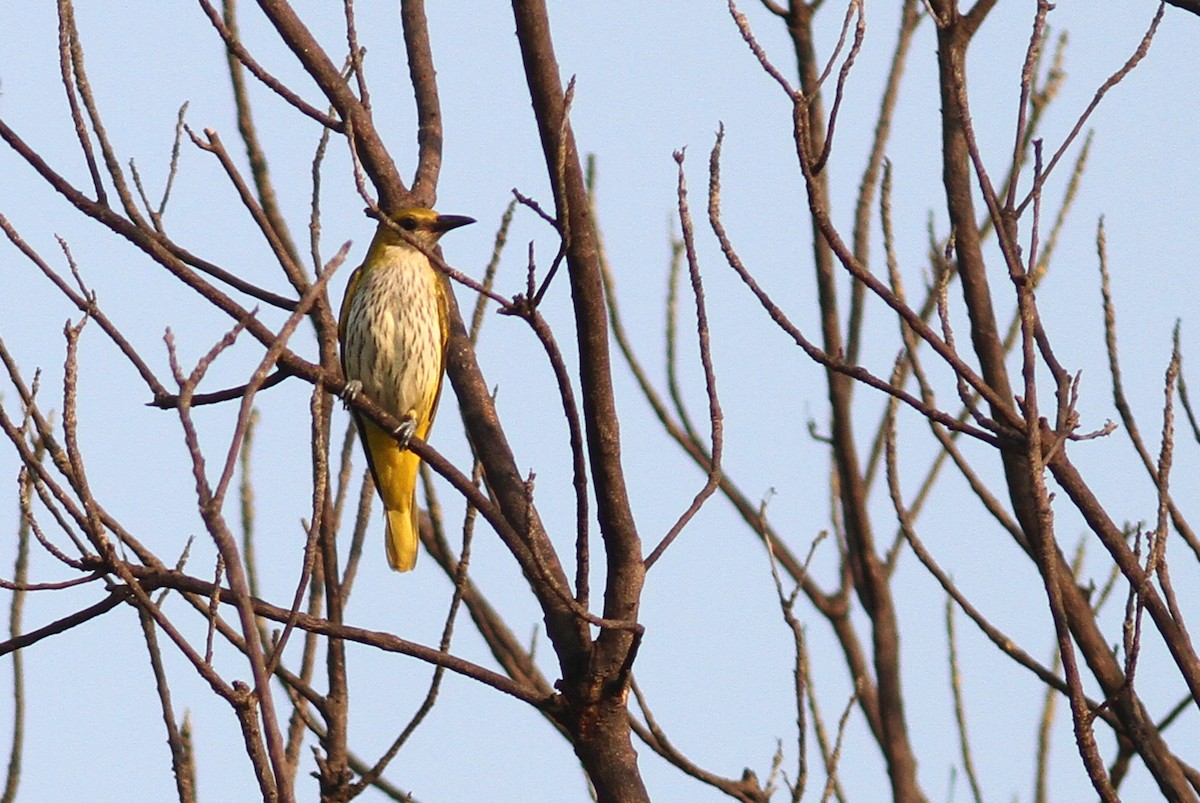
x=446 y=222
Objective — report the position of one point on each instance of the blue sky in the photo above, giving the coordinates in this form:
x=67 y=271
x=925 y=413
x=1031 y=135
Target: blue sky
x=651 y=78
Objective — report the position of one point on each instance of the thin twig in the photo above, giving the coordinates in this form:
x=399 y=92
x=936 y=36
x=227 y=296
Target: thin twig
x=715 y=416
x=835 y=755
x=1138 y=54
x=1118 y=388
x=960 y=713
x=234 y=45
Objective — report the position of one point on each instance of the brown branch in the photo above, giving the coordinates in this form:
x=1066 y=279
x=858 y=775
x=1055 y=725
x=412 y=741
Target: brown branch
x=1120 y=401
x=182 y=761
x=17 y=642
x=715 y=416
x=229 y=34
x=746 y=788
x=314 y=529
x=1045 y=550
x=75 y=80
x=333 y=766
x=1151 y=747
x=508 y=652
x=175 y=259
x=960 y=714
x=831 y=781
x=156 y=213
x=829 y=360
x=670 y=342
x=151 y=578
x=273 y=228
x=911 y=362
x=210 y=511
x=16 y=609
x=1158 y=562
x=489 y=273
x=1138 y=54
x=603 y=746
x=995 y=635
x=623 y=547
x=429 y=114
x=867 y=571
x=459 y=578
x=1037 y=41
x=65 y=43
x=525 y=308
x=368 y=144
x=355 y=53
x=169 y=401
x=255 y=154
x=833 y=606
x=860 y=30
x=800 y=679
x=909 y=20
x=85 y=302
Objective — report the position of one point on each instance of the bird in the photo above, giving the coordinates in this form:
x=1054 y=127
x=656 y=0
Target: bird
x=392 y=332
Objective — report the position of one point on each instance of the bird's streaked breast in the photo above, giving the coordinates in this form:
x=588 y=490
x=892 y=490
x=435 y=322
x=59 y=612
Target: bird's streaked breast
x=392 y=334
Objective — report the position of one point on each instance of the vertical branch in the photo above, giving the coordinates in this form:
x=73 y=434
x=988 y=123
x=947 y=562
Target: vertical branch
x=182 y=761
x=16 y=609
x=671 y=339
x=531 y=547
x=623 y=547
x=800 y=683
x=246 y=702
x=334 y=769
x=429 y=115
x=489 y=273
x=909 y=20
x=354 y=55
x=1166 y=459
x=1120 y=400
x=460 y=582
x=1037 y=41
x=957 y=182
x=715 y=416
x=831 y=782
x=1045 y=724
x=603 y=742
x=246 y=500
x=960 y=712
x=75 y=80
x=259 y=169
x=297 y=722
x=1045 y=549
x=367 y=143
x=211 y=501
x=1132 y=62
x=869 y=574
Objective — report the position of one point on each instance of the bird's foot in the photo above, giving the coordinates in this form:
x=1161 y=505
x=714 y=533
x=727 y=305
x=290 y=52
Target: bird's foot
x=351 y=389
x=405 y=431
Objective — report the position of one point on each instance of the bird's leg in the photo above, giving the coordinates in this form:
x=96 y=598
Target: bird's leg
x=405 y=431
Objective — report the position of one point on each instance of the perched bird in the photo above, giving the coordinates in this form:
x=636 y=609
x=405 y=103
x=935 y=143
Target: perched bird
x=393 y=328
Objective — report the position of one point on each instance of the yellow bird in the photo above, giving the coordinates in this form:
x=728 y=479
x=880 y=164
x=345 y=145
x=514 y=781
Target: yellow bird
x=393 y=328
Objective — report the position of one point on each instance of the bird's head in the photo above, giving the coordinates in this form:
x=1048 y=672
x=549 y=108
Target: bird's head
x=423 y=225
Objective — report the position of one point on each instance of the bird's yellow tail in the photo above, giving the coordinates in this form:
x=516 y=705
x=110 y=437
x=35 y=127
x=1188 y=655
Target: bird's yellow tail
x=395 y=472
x=402 y=536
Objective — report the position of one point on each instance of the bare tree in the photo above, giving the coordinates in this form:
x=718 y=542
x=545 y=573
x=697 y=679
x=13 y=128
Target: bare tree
x=967 y=376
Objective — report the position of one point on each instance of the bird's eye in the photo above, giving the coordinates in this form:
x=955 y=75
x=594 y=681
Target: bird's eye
x=408 y=223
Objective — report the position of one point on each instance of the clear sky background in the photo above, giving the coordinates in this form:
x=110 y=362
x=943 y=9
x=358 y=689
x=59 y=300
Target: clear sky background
x=652 y=78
